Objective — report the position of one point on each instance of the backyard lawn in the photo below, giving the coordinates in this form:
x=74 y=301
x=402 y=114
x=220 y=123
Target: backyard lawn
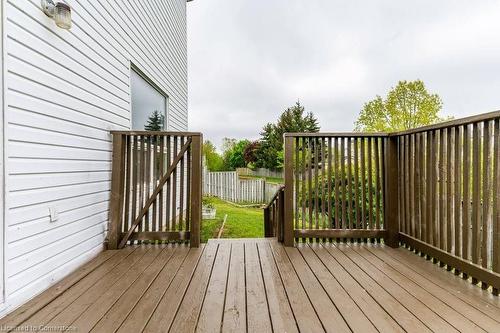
x=240 y=223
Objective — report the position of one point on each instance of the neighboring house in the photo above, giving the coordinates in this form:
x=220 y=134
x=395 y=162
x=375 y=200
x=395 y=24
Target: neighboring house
x=62 y=92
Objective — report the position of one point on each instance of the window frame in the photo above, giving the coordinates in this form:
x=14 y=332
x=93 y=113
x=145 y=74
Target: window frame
x=138 y=71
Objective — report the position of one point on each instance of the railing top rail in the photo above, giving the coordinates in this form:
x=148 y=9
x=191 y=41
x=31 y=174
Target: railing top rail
x=450 y=123
x=443 y=125
x=281 y=188
x=337 y=135
x=157 y=133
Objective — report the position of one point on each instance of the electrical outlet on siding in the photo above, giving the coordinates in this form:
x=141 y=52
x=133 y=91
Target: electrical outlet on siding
x=54 y=215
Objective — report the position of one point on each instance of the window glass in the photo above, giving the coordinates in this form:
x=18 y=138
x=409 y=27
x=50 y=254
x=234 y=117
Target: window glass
x=146 y=99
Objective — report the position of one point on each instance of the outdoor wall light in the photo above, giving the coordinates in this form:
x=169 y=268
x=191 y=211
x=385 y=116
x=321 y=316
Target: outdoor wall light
x=60 y=12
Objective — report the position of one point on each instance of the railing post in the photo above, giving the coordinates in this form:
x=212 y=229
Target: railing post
x=391 y=191
x=288 y=214
x=117 y=191
x=196 y=189
x=281 y=215
x=268 y=228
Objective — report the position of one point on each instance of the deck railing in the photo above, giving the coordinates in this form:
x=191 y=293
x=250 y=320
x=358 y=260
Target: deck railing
x=449 y=204
x=335 y=185
x=435 y=189
x=274 y=215
x=156 y=187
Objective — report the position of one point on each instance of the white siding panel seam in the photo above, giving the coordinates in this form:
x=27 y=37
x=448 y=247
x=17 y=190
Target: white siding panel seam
x=31 y=278
x=50 y=237
x=60 y=90
x=51 y=104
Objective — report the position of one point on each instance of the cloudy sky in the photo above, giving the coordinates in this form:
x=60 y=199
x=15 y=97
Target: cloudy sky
x=250 y=59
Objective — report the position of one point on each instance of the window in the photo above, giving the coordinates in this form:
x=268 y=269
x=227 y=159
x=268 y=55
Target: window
x=146 y=99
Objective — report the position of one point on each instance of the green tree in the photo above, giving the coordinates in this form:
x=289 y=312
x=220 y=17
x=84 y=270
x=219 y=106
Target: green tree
x=293 y=120
x=234 y=153
x=250 y=153
x=155 y=122
x=213 y=159
x=406 y=106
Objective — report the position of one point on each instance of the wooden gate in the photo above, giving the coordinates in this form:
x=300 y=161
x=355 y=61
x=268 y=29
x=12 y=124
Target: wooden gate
x=155 y=188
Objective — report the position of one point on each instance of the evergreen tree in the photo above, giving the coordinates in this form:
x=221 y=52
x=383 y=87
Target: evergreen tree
x=293 y=120
x=155 y=122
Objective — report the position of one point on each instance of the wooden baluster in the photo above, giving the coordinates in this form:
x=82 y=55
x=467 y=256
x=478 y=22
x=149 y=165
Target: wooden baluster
x=442 y=191
x=370 y=183
x=343 y=183
x=330 y=188
x=496 y=201
x=486 y=182
x=377 y=183
x=449 y=190
x=336 y=182
x=316 y=184
x=168 y=186
x=429 y=187
x=189 y=163
x=161 y=170
x=297 y=170
x=147 y=177
x=418 y=187
x=181 y=190
x=406 y=183
x=348 y=197
x=412 y=187
x=310 y=205
x=476 y=194
x=323 y=190
x=363 y=183
x=458 y=191
x=356 y=184
x=401 y=177
x=128 y=163
x=304 y=180
x=466 y=220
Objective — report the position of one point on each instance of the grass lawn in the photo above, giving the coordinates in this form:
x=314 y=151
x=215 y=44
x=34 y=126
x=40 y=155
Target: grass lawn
x=272 y=180
x=240 y=223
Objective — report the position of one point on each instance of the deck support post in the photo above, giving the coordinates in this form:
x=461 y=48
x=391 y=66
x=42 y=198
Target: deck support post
x=196 y=189
x=117 y=191
x=391 y=191
x=288 y=204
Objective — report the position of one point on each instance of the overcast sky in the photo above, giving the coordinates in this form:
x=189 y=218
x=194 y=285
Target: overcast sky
x=250 y=59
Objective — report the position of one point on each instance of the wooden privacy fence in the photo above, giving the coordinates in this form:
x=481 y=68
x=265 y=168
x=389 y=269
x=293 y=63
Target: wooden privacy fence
x=435 y=189
x=228 y=186
x=155 y=187
x=335 y=186
x=260 y=172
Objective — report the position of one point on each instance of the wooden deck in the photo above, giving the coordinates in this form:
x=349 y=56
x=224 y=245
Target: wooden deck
x=257 y=285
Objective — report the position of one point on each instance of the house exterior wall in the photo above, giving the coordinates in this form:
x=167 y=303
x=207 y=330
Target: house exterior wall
x=64 y=91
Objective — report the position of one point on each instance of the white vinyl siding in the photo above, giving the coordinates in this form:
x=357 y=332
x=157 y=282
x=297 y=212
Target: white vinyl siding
x=64 y=91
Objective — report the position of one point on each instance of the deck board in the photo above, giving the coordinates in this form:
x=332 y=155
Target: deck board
x=235 y=302
x=258 y=285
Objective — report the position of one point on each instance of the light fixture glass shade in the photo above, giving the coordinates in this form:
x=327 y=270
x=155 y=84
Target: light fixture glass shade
x=48 y=7
x=62 y=16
